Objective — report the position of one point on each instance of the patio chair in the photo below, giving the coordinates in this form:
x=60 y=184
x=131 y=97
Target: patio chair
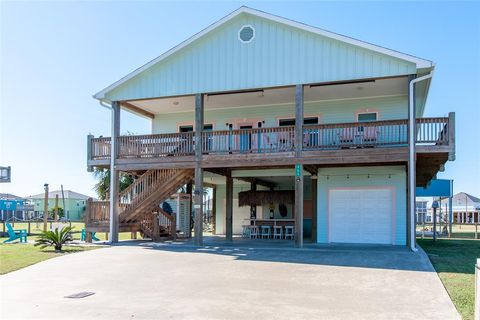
x=16 y=234
x=290 y=232
x=254 y=233
x=277 y=232
x=266 y=232
x=84 y=235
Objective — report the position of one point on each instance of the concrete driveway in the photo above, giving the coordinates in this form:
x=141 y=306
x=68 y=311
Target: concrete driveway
x=177 y=281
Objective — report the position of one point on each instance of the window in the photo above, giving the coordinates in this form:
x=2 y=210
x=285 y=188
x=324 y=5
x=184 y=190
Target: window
x=366 y=117
x=246 y=34
x=185 y=128
x=291 y=122
x=189 y=128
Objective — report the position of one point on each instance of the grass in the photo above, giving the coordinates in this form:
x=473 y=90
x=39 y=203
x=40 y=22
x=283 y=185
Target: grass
x=14 y=256
x=36 y=228
x=454 y=261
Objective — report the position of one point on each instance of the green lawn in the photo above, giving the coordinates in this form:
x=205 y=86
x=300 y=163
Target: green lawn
x=36 y=228
x=454 y=261
x=14 y=256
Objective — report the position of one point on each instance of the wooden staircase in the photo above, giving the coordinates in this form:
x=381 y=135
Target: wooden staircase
x=139 y=204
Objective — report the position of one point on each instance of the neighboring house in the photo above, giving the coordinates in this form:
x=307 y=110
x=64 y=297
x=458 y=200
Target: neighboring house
x=286 y=121
x=8 y=207
x=422 y=212
x=465 y=208
x=75 y=203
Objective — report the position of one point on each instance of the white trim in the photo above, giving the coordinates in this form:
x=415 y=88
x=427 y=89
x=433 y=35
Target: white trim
x=240 y=30
x=420 y=63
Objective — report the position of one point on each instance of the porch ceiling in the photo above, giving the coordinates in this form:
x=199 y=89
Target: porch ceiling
x=274 y=96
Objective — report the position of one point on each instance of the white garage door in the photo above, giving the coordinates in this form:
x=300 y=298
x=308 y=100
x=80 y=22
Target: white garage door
x=361 y=216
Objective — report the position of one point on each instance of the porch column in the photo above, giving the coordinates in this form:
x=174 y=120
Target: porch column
x=411 y=165
x=214 y=210
x=298 y=166
x=198 y=201
x=114 y=173
x=253 y=209
x=189 y=192
x=229 y=207
x=314 y=208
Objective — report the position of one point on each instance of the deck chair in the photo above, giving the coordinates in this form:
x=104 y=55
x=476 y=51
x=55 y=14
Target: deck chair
x=16 y=234
x=84 y=235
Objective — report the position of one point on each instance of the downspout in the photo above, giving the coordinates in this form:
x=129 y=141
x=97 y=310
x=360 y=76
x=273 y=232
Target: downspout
x=112 y=165
x=412 y=156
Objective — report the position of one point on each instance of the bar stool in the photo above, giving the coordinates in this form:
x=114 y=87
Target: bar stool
x=254 y=232
x=266 y=232
x=246 y=231
x=277 y=232
x=289 y=232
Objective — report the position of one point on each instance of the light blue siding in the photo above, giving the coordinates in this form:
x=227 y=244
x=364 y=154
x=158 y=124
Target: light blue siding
x=279 y=55
x=335 y=111
x=388 y=176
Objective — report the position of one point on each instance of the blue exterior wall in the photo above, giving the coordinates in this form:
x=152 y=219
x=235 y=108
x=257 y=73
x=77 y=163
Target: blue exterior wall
x=279 y=55
x=333 y=111
x=387 y=176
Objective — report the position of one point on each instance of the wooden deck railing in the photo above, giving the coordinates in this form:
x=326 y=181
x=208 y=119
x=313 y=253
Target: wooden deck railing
x=430 y=131
x=97 y=211
x=276 y=139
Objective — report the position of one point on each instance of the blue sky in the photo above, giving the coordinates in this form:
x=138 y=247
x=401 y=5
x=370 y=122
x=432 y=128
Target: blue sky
x=55 y=55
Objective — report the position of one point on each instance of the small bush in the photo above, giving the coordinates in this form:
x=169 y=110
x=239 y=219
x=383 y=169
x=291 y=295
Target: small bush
x=56 y=238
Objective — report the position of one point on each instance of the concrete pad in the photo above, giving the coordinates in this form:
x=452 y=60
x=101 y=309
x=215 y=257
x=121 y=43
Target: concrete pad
x=142 y=280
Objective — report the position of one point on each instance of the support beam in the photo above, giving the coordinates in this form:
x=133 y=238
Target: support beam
x=298 y=166
x=314 y=208
x=229 y=207
x=411 y=165
x=253 y=209
x=450 y=212
x=310 y=168
x=137 y=110
x=214 y=210
x=114 y=174
x=260 y=182
x=190 y=192
x=198 y=201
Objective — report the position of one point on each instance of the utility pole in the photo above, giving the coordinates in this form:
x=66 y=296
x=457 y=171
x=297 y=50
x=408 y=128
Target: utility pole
x=55 y=216
x=45 y=208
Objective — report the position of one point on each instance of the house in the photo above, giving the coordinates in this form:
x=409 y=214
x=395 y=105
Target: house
x=291 y=125
x=465 y=208
x=74 y=208
x=8 y=207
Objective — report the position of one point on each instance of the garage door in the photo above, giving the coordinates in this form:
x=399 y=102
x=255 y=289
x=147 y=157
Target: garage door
x=361 y=216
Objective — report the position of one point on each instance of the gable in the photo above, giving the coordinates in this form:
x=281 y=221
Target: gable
x=279 y=55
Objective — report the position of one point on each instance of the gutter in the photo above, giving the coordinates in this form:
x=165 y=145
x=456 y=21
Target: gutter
x=108 y=106
x=412 y=156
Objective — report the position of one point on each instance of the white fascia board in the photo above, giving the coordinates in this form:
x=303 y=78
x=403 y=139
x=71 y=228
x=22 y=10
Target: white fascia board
x=420 y=63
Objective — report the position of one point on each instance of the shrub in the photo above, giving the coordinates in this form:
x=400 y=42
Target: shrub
x=56 y=238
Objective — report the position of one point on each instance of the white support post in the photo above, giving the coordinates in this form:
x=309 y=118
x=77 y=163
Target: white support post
x=198 y=199
x=298 y=166
x=114 y=174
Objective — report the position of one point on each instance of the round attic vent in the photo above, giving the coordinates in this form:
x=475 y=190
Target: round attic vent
x=246 y=34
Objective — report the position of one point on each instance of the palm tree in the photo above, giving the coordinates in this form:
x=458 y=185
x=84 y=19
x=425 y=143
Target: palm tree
x=54 y=238
x=102 y=187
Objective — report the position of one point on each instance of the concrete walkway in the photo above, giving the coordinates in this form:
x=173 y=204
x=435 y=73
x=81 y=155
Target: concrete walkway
x=142 y=280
